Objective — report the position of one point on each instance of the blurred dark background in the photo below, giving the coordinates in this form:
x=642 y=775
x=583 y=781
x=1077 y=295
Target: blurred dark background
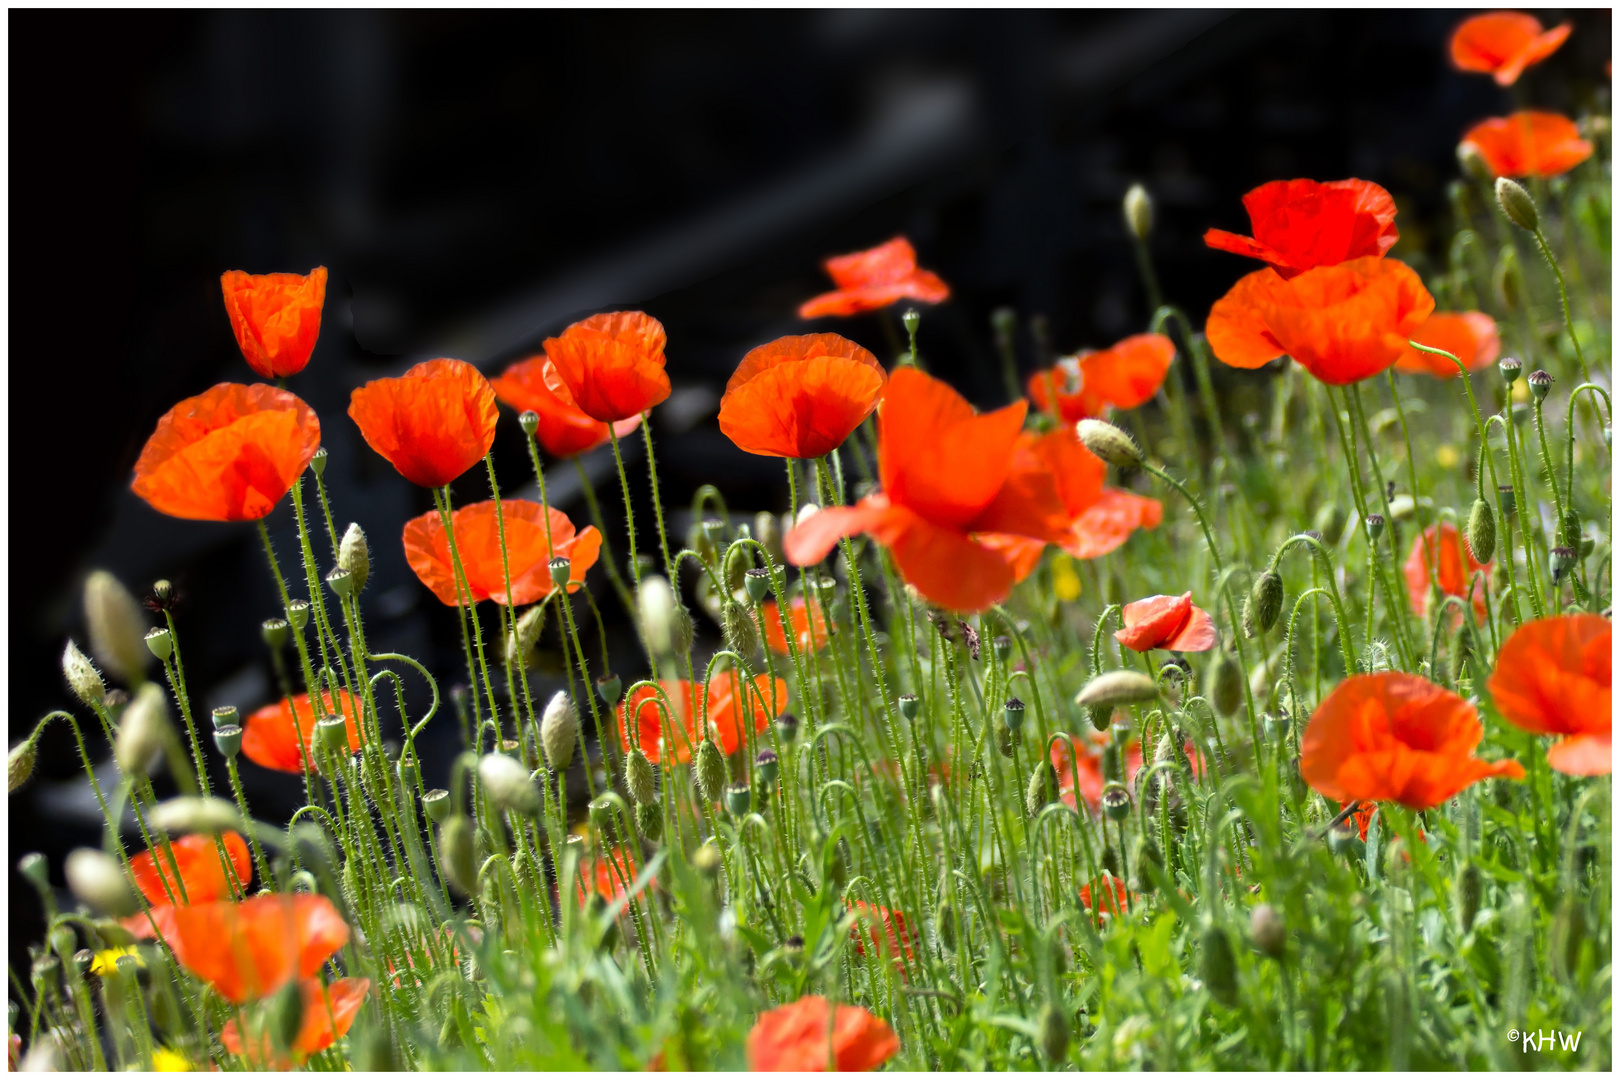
x=475 y=181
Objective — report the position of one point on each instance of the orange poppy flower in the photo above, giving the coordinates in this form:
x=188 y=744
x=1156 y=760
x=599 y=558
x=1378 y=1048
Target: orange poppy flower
x=564 y=431
x=1341 y=323
x=1503 y=43
x=875 y=278
x=329 y=1012
x=608 y=877
x=276 y=318
x=1529 y=143
x=1457 y=567
x=1166 y=622
x=1100 y=518
x=228 y=454
x=1124 y=376
x=807 y=618
x=432 y=424
x=271 y=735
x=800 y=397
x=947 y=474
x=201 y=873
x=798 y=1038
x=529 y=551
x=896 y=935
x=610 y=367
x=1470 y=336
x=1554 y=677
x=1112 y=897
x=1301 y=224
x=767 y=698
x=252 y=949
x=1395 y=737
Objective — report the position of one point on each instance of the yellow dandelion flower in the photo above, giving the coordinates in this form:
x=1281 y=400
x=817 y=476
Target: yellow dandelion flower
x=106 y=961
x=166 y=1060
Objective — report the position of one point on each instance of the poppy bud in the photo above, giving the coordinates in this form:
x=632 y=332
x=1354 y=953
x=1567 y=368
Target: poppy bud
x=608 y=688
x=1562 y=558
x=738 y=799
x=1375 y=527
x=82 y=677
x=787 y=728
x=1572 y=530
x=558 y=729
x=1116 y=801
x=1481 y=531
x=945 y=924
x=20 y=764
x=1507 y=500
x=711 y=770
x=1053 y=1028
x=1540 y=384
x=298 y=614
x=1138 y=211
x=908 y=704
x=529 y=421
x=1264 y=605
x=1330 y=522
x=1111 y=769
x=1267 y=929
x=758 y=584
x=639 y=780
x=354 y=555
x=317 y=463
x=1013 y=713
x=34 y=867
x=1005 y=738
x=437 y=805
x=1146 y=854
x=1508 y=279
x=1468 y=891
x=1121 y=687
x=117 y=629
x=1043 y=788
x=287 y=1015
x=45 y=968
x=707 y=860
x=560 y=569
x=650 y=821
x=1100 y=716
x=457 y=854
x=160 y=642
x=341 y=584
x=1517 y=204
x=507 y=783
x=96 y=878
x=737 y=624
x=143 y=730
x=195 y=814
x=275 y=632
x=1109 y=443
x=1473 y=162
x=1225 y=683
x=1219 y=968
x=1568 y=934
x=229 y=741
x=520 y=642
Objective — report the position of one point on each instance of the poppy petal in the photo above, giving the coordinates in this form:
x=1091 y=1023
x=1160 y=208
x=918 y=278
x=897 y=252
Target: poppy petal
x=798 y=1038
x=251 y=949
x=1236 y=329
x=1131 y=371
x=201 y=871
x=1028 y=503
x=271 y=735
x=1221 y=240
x=1583 y=755
x=1470 y=336
x=947 y=567
x=612 y=364
x=432 y=424
x=1554 y=677
x=1109 y=522
x=562 y=430
x=800 y=397
x=534 y=535
x=1151 y=622
x=935 y=455
x=275 y=317
x=1023 y=554
x=812 y=539
x=1529 y=143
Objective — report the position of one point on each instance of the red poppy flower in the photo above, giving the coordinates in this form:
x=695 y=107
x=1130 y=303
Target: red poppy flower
x=529 y=551
x=276 y=318
x=201 y=871
x=1166 y=622
x=800 y=397
x=252 y=949
x=1554 y=677
x=1301 y=224
x=610 y=367
x=564 y=431
x=610 y=876
x=727 y=700
x=1112 y=896
x=947 y=474
x=329 y=1012
x=229 y=454
x=875 y=278
x=1503 y=44
x=799 y=1038
x=808 y=620
x=432 y=424
x=895 y=937
x=1342 y=323
x=1470 y=336
x=1088 y=764
x=271 y=735
x=1456 y=572
x=1394 y=737
x=1123 y=376
x=1529 y=144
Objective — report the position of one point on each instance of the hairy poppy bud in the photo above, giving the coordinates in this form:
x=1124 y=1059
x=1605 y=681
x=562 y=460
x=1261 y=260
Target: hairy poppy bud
x=758 y=584
x=195 y=814
x=1572 y=531
x=945 y=924
x=229 y=741
x=298 y=614
x=275 y=632
x=738 y=799
x=1267 y=929
x=1113 y=688
x=639 y=780
x=1508 y=279
x=707 y=860
x=1510 y=368
x=1482 y=531
x=1116 y=801
x=1109 y=443
x=650 y=821
x=1375 y=527
x=143 y=730
x=1517 y=204
x=507 y=783
x=1146 y=854
x=1219 y=968
x=341 y=584
x=1043 y=788
x=159 y=642
x=1264 y=605
x=1467 y=893
x=787 y=728
x=526 y=635
x=82 y=677
x=354 y=555
x=1101 y=716
x=1005 y=738
x=117 y=629
x=1053 y=1028
x=768 y=531
x=737 y=624
x=96 y=878
x=457 y=854
x=20 y=764
x=1013 y=713
x=1330 y=522
x=529 y=421
x=1473 y=162
x=317 y=463
x=1540 y=384
x=711 y=770
x=1225 y=683
x=1138 y=211
x=558 y=728
x=908 y=704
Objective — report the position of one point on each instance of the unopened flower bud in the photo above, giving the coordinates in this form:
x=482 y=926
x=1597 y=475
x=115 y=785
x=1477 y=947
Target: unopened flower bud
x=116 y=627
x=650 y=821
x=1219 y=968
x=354 y=555
x=1517 y=204
x=142 y=731
x=1375 y=527
x=768 y=531
x=1482 y=531
x=229 y=740
x=1116 y=801
x=96 y=878
x=711 y=770
x=737 y=624
x=1473 y=162
x=160 y=642
x=458 y=854
x=1006 y=737
x=1508 y=278
x=298 y=614
x=1225 y=679
x=787 y=728
x=1101 y=716
x=195 y=814
x=908 y=704
x=437 y=805
x=655 y=603
x=738 y=799
x=1122 y=687
x=317 y=463
x=1510 y=368
x=1145 y=855
x=767 y=767
x=1468 y=890
x=507 y=784
x=1264 y=605
x=529 y=421
x=1043 y=788
x=341 y=584
x=1540 y=384
x=1330 y=522
x=1568 y=934
x=275 y=632
x=1052 y=1024
x=1268 y=931
x=1138 y=212
x=561 y=570
x=639 y=779
x=82 y=677
x=1109 y=443
x=758 y=584
x=608 y=688
x=558 y=729
x=1013 y=713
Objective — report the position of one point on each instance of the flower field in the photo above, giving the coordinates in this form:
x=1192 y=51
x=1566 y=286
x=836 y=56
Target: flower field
x=1128 y=725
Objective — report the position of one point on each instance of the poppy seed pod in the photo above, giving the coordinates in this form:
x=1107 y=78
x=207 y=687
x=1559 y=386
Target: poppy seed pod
x=298 y=614
x=331 y=735
x=1120 y=733
x=1508 y=501
x=787 y=728
x=458 y=854
x=507 y=783
x=1264 y=605
x=908 y=704
x=711 y=770
x=274 y=632
x=758 y=584
x=1013 y=713
x=1540 y=384
x=142 y=731
x=1225 y=683
x=1510 y=368
x=1517 y=204
x=558 y=728
x=82 y=677
x=1043 y=788
x=354 y=555
x=767 y=767
x=1375 y=527
x=20 y=764
x=737 y=625
x=117 y=630
x=1054 y=1031
x=1562 y=558
x=341 y=584
x=1473 y=162
x=1138 y=211
x=1219 y=969
x=437 y=805
x=639 y=780
x=1109 y=443
x=738 y=799
x=560 y=568
x=1113 y=688
x=1110 y=766
x=608 y=688
x=650 y=821
x=1468 y=890
x=96 y=878
x=1482 y=531
x=34 y=867
x=1276 y=725
x=1116 y=801
x=1268 y=931
x=317 y=462
x=229 y=741
x=707 y=860
x=529 y=421
x=159 y=642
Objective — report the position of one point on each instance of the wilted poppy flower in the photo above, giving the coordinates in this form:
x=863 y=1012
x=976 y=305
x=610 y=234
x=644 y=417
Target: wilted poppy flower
x=1529 y=144
x=270 y=736
x=1111 y=895
x=807 y=618
x=1554 y=677
x=252 y=949
x=201 y=873
x=947 y=474
x=798 y=1038
x=609 y=877
x=1124 y=376
x=800 y=397
x=564 y=431
x=478 y=542
x=1395 y=737
x=229 y=454
x=329 y=1012
x=1503 y=43
x=1456 y=568
x=276 y=317
x=1166 y=622
x=873 y=279
x=1342 y=323
x=610 y=367
x=1301 y=224
x=432 y=424
x=895 y=933
x=1470 y=336
x=728 y=698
